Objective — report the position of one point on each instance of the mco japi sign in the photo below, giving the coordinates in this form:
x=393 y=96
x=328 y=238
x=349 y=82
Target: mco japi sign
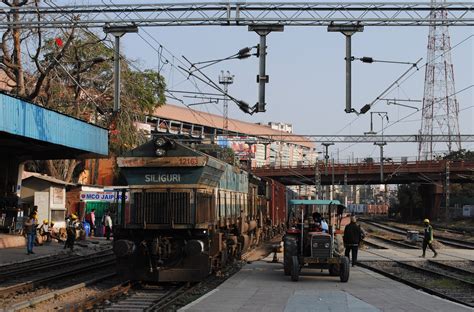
x=103 y=196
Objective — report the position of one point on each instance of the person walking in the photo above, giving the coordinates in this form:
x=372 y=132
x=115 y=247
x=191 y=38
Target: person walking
x=353 y=235
x=30 y=229
x=108 y=225
x=428 y=238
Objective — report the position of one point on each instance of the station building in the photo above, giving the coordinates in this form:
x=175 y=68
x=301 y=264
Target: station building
x=254 y=143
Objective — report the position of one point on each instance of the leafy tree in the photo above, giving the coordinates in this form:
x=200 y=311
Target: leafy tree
x=409 y=200
x=72 y=71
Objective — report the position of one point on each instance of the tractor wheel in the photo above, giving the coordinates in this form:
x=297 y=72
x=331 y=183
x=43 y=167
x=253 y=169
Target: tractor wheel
x=295 y=269
x=290 y=250
x=334 y=270
x=338 y=245
x=344 y=269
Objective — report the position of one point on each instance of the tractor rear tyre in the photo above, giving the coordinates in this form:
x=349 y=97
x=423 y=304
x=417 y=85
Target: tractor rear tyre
x=290 y=250
x=344 y=269
x=295 y=269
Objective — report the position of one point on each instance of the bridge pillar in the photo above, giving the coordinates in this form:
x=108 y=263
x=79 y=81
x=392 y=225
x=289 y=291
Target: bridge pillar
x=431 y=195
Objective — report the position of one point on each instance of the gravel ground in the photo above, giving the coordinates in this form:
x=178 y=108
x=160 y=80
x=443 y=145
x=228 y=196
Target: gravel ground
x=465 y=265
x=393 y=236
x=444 y=285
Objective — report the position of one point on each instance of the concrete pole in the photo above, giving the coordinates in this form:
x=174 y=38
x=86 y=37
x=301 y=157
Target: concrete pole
x=348 y=74
x=262 y=78
x=117 y=73
x=332 y=179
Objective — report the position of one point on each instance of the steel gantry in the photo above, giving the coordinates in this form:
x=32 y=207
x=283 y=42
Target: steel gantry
x=241 y=14
x=328 y=139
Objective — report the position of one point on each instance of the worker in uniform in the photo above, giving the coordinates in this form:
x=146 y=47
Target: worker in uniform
x=44 y=231
x=353 y=235
x=71 y=225
x=30 y=230
x=428 y=238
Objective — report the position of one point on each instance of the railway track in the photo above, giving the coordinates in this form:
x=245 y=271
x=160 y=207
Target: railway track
x=427 y=277
x=147 y=298
x=14 y=289
x=392 y=242
x=401 y=231
x=459 y=231
x=50 y=262
x=43 y=302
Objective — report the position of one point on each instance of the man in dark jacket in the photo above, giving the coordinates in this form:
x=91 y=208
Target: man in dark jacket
x=353 y=234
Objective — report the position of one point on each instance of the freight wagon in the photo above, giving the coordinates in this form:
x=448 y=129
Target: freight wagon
x=368 y=209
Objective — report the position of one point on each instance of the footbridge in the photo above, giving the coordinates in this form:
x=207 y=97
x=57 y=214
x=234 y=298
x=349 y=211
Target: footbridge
x=433 y=176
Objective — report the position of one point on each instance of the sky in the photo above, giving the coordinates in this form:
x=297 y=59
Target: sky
x=307 y=76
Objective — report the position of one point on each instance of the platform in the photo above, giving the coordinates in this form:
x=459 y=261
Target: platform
x=11 y=241
x=262 y=286
x=18 y=254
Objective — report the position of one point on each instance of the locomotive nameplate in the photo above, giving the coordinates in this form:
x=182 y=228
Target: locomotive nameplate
x=186 y=161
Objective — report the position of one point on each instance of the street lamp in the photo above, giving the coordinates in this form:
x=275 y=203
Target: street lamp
x=118 y=31
x=382 y=115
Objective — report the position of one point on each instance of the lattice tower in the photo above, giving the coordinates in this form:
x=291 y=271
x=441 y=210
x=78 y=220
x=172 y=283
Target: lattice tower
x=226 y=79
x=440 y=107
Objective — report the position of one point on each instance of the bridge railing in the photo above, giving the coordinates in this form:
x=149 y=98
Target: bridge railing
x=414 y=165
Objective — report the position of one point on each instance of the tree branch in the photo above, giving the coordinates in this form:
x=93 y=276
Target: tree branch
x=51 y=65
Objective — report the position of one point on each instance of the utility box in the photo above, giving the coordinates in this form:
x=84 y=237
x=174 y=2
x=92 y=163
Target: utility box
x=48 y=194
x=412 y=236
x=468 y=211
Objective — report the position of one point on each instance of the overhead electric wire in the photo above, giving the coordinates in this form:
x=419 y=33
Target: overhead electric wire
x=399 y=84
x=435 y=102
x=194 y=112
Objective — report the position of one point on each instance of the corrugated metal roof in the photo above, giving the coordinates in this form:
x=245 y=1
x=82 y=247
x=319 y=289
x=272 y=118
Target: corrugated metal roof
x=33 y=175
x=313 y=202
x=192 y=116
x=25 y=119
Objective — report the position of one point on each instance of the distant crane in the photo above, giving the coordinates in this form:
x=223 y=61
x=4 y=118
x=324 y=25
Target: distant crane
x=226 y=79
x=440 y=108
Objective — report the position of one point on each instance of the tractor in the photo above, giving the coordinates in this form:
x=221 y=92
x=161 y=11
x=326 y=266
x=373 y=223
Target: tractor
x=307 y=244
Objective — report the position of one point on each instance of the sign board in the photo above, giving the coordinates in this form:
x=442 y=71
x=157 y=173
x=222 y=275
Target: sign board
x=57 y=196
x=103 y=196
x=193 y=161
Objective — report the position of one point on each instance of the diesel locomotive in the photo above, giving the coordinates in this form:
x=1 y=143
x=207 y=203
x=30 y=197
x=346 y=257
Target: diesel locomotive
x=189 y=212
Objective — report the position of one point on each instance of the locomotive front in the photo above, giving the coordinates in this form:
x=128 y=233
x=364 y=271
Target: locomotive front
x=169 y=231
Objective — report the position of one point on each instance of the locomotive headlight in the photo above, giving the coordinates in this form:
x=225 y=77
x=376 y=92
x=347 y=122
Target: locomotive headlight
x=160 y=142
x=160 y=152
x=326 y=245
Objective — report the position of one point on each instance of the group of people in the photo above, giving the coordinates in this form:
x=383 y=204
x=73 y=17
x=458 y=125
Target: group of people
x=354 y=234
x=32 y=228
x=106 y=223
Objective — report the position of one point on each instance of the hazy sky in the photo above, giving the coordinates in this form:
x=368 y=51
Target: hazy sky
x=307 y=75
